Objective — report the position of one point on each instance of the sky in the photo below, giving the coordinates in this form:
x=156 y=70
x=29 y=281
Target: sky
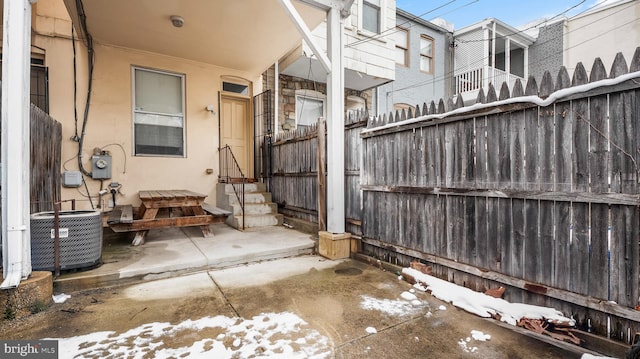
x=514 y=12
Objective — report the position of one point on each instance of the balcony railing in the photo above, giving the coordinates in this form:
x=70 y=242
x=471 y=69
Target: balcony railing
x=475 y=79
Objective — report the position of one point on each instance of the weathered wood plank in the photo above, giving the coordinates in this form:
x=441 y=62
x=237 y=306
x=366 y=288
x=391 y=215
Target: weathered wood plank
x=504 y=150
x=599 y=135
x=563 y=147
x=517 y=247
x=215 y=211
x=494 y=235
x=562 y=253
x=439 y=164
x=470 y=231
x=561 y=294
x=518 y=147
x=599 y=252
x=532 y=249
x=481 y=255
x=146 y=224
x=493 y=152
x=481 y=152
x=121 y=214
x=579 y=249
x=546 y=239
x=580 y=114
x=624 y=255
x=623 y=122
x=546 y=158
x=587 y=197
x=531 y=144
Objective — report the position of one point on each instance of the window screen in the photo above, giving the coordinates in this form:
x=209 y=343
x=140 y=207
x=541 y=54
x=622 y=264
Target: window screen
x=158 y=113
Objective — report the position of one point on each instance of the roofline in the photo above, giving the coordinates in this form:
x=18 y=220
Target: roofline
x=601 y=8
x=528 y=39
x=421 y=21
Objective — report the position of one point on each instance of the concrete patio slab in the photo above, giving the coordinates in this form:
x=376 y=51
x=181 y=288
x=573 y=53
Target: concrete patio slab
x=174 y=251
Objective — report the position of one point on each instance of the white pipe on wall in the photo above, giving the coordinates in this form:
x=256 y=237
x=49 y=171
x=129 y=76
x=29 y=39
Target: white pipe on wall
x=16 y=244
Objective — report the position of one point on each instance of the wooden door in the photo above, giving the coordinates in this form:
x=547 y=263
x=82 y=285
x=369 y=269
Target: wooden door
x=235 y=130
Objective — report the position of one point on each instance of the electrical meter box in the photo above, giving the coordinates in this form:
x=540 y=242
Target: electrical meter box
x=101 y=166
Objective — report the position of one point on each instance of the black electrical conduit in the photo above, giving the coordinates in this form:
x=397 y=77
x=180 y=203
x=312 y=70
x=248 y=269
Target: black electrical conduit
x=90 y=60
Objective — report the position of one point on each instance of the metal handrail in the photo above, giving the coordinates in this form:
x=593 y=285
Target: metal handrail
x=231 y=173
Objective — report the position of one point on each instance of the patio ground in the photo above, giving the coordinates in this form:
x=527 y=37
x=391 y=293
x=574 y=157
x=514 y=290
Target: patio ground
x=181 y=296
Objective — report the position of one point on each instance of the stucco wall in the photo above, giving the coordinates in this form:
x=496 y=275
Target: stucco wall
x=110 y=124
x=602 y=34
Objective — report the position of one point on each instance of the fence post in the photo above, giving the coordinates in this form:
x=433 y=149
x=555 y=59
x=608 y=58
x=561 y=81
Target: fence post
x=322 y=178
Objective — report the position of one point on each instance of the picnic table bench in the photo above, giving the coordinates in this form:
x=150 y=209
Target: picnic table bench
x=194 y=212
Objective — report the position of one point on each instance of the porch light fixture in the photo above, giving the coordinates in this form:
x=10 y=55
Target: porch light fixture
x=176 y=20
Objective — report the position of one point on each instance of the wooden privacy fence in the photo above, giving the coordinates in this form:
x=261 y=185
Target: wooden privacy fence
x=294 y=185
x=535 y=189
x=46 y=147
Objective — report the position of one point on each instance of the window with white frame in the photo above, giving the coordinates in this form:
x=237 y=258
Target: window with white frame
x=371 y=15
x=158 y=113
x=401 y=36
x=426 y=54
x=309 y=107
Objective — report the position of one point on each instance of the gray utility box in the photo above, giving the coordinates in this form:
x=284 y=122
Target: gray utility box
x=101 y=166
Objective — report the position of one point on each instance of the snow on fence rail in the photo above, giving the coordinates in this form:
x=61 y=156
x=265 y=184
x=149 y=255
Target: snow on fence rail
x=537 y=190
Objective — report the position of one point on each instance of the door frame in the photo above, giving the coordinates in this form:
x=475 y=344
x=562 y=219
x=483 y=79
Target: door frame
x=248 y=172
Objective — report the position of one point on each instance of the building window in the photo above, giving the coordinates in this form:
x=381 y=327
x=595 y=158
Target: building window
x=39 y=74
x=240 y=89
x=426 y=54
x=158 y=114
x=308 y=109
x=371 y=15
x=402 y=46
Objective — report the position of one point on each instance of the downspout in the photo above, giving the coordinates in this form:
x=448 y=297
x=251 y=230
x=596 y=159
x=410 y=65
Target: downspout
x=276 y=102
x=16 y=231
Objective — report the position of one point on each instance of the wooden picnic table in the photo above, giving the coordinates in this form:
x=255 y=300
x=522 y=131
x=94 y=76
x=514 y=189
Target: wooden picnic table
x=194 y=212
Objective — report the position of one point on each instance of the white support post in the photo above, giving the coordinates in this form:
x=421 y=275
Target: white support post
x=16 y=45
x=335 y=124
x=507 y=61
x=493 y=58
x=485 y=60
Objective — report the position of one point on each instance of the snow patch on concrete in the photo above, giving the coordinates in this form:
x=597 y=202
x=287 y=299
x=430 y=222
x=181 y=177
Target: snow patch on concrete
x=282 y=335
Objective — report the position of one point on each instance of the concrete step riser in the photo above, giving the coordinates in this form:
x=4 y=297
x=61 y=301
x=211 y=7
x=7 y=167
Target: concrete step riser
x=255 y=221
x=248 y=187
x=255 y=209
x=263 y=197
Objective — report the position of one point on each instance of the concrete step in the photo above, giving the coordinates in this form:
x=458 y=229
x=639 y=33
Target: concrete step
x=248 y=187
x=252 y=221
x=254 y=208
x=249 y=198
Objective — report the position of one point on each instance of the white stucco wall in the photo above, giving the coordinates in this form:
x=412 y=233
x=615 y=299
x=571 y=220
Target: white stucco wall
x=602 y=34
x=110 y=123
